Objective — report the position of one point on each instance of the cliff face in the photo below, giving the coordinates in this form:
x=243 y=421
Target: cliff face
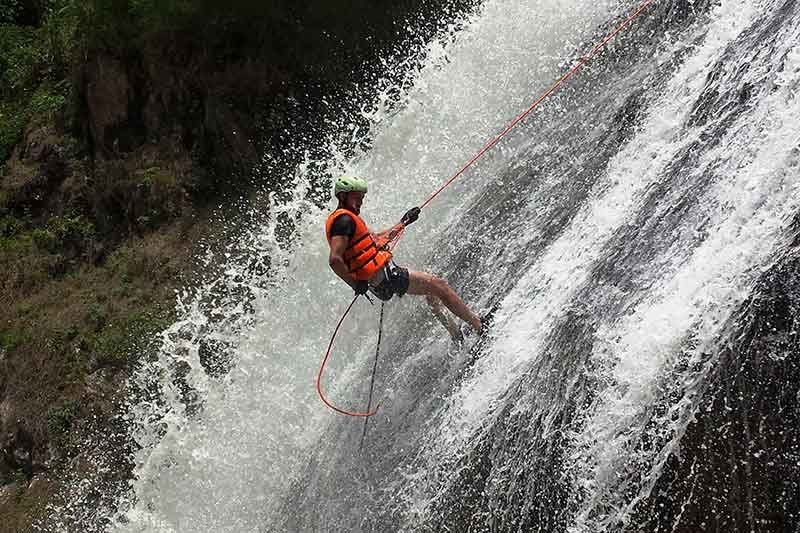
x=743 y=445
x=122 y=125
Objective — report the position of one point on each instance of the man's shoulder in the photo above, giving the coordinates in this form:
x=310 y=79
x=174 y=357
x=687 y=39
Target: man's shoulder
x=342 y=215
x=342 y=224
x=341 y=211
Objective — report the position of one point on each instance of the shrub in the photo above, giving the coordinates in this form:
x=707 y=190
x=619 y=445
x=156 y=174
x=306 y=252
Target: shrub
x=123 y=342
x=74 y=231
x=9 y=11
x=59 y=420
x=45 y=240
x=70 y=234
x=9 y=226
x=33 y=69
x=10 y=339
x=13 y=118
x=20 y=56
x=46 y=102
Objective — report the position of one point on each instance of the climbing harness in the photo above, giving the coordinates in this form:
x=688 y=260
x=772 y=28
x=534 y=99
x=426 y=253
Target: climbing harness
x=394 y=235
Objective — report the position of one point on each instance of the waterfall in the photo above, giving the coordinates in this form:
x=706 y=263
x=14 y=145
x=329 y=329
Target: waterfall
x=622 y=232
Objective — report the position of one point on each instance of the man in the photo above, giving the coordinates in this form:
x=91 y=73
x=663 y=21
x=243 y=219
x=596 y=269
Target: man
x=360 y=259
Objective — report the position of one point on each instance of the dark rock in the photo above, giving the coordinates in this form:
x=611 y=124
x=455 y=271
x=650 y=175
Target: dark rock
x=9 y=492
x=743 y=448
x=17 y=451
x=215 y=357
x=108 y=95
x=223 y=123
x=42 y=144
x=36 y=170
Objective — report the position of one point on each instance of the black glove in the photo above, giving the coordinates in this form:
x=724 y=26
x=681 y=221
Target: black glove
x=361 y=287
x=410 y=216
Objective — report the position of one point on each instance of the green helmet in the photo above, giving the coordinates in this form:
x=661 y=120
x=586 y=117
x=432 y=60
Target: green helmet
x=349 y=184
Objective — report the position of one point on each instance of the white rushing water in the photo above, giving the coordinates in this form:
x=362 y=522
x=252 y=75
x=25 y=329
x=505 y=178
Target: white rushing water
x=739 y=224
x=227 y=463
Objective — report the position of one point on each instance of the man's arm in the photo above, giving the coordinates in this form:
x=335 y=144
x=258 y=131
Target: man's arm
x=385 y=234
x=336 y=259
x=409 y=218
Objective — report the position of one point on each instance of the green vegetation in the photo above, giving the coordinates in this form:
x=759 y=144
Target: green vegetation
x=44 y=42
x=9 y=10
x=64 y=234
x=9 y=226
x=34 y=62
x=122 y=344
x=11 y=339
x=12 y=120
x=20 y=55
x=59 y=419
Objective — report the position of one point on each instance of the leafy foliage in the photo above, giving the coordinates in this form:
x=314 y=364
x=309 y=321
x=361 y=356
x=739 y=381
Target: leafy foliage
x=34 y=63
x=9 y=11
x=13 y=118
x=59 y=419
x=67 y=233
x=20 y=53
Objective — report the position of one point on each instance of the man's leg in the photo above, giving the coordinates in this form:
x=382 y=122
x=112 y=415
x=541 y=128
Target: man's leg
x=444 y=319
x=422 y=283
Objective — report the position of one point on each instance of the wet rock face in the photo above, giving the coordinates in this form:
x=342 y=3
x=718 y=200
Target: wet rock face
x=36 y=170
x=739 y=464
x=108 y=95
x=16 y=453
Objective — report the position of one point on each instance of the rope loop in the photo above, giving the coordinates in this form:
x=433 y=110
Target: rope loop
x=340 y=410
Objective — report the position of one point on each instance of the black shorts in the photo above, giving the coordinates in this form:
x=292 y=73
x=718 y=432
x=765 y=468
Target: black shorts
x=392 y=280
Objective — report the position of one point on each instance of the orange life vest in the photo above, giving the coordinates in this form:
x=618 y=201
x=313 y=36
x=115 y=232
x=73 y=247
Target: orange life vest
x=364 y=255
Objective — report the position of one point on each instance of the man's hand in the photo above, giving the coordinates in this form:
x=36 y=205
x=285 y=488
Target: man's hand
x=361 y=287
x=410 y=216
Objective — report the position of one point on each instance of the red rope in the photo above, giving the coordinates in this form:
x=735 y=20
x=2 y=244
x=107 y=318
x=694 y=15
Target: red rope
x=548 y=92
x=322 y=369
x=399 y=228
